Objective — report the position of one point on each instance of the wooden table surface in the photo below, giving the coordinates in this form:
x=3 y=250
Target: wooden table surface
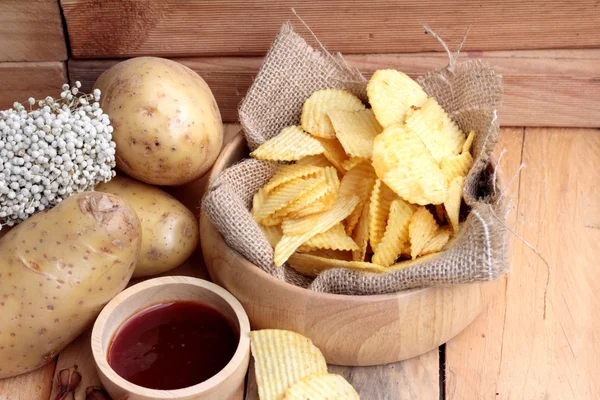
x=512 y=350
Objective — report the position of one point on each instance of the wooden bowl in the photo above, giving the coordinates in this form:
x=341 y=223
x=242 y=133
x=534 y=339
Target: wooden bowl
x=222 y=386
x=349 y=330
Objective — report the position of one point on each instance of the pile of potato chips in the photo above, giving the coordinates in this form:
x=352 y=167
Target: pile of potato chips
x=364 y=188
x=288 y=366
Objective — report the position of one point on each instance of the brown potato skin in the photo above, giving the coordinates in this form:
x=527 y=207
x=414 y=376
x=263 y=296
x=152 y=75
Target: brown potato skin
x=57 y=270
x=169 y=229
x=167 y=125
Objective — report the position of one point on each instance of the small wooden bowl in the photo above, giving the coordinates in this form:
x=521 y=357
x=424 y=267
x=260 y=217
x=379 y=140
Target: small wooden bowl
x=349 y=330
x=222 y=386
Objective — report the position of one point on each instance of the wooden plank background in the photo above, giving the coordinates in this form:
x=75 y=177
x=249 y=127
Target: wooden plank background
x=116 y=28
x=19 y=81
x=31 y=30
x=542 y=88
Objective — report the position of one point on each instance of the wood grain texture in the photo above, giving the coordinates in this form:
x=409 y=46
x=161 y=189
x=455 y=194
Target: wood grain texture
x=31 y=30
x=511 y=351
x=417 y=378
x=542 y=88
x=34 y=385
x=19 y=81
x=118 y=28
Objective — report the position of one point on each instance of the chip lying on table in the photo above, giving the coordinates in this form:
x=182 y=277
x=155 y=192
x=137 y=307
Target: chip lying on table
x=369 y=189
x=288 y=366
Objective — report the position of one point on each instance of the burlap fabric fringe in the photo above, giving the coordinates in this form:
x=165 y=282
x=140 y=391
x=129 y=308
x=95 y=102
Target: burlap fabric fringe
x=471 y=92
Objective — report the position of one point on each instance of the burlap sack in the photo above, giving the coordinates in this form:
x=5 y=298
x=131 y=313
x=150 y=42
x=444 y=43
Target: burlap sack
x=470 y=92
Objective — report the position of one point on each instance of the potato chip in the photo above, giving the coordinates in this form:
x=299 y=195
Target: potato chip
x=296 y=232
x=286 y=173
x=436 y=243
x=272 y=233
x=282 y=358
x=379 y=209
x=258 y=202
x=330 y=184
x=334 y=152
x=356 y=131
x=291 y=144
x=454 y=166
x=419 y=181
x=358 y=181
x=333 y=254
x=452 y=203
x=318 y=160
x=404 y=163
x=332 y=239
x=361 y=233
x=283 y=195
x=469 y=142
x=314 y=111
x=435 y=128
x=394 y=145
x=391 y=94
x=396 y=234
x=311 y=265
x=353 y=162
x=422 y=229
x=321 y=387
x=440 y=213
x=409 y=263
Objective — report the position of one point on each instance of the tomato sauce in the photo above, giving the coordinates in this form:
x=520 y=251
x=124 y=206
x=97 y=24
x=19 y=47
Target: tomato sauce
x=173 y=345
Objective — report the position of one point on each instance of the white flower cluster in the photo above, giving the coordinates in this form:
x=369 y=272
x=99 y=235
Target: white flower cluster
x=46 y=154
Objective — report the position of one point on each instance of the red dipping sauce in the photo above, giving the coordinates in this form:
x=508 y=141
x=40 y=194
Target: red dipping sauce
x=172 y=345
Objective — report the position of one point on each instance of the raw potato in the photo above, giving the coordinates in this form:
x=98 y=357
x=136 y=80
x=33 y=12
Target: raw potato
x=169 y=229
x=167 y=125
x=58 y=269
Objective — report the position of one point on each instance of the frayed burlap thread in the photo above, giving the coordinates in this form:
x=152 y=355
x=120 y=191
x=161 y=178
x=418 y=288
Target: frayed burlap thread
x=471 y=93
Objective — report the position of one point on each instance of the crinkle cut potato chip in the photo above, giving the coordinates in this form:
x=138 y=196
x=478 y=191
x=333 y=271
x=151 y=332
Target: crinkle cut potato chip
x=334 y=152
x=358 y=181
x=314 y=118
x=356 y=131
x=318 y=160
x=258 y=201
x=304 y=203
x=332 y=239
x=310 y=265
x=296 y=232
x=436 y=243
x=433 y=126
x=282 y=358
x=422 y=229
x=361 y=234
x=454 y=166
x=379 y=210
x=392 y=94
x=321 y=387
x=332 y=254
x=404 y=163
x=420 y=182
x=284 y=195
x=394 y=145
x=396 y=234
x=469 y=142
x=353 y=162
x=272 y=233
x=291 y=144
x=452 y=204
x=286 y=173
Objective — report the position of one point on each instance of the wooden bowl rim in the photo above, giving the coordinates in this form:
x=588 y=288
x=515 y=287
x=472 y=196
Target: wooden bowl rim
x=237 y=141
x=100 y=357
